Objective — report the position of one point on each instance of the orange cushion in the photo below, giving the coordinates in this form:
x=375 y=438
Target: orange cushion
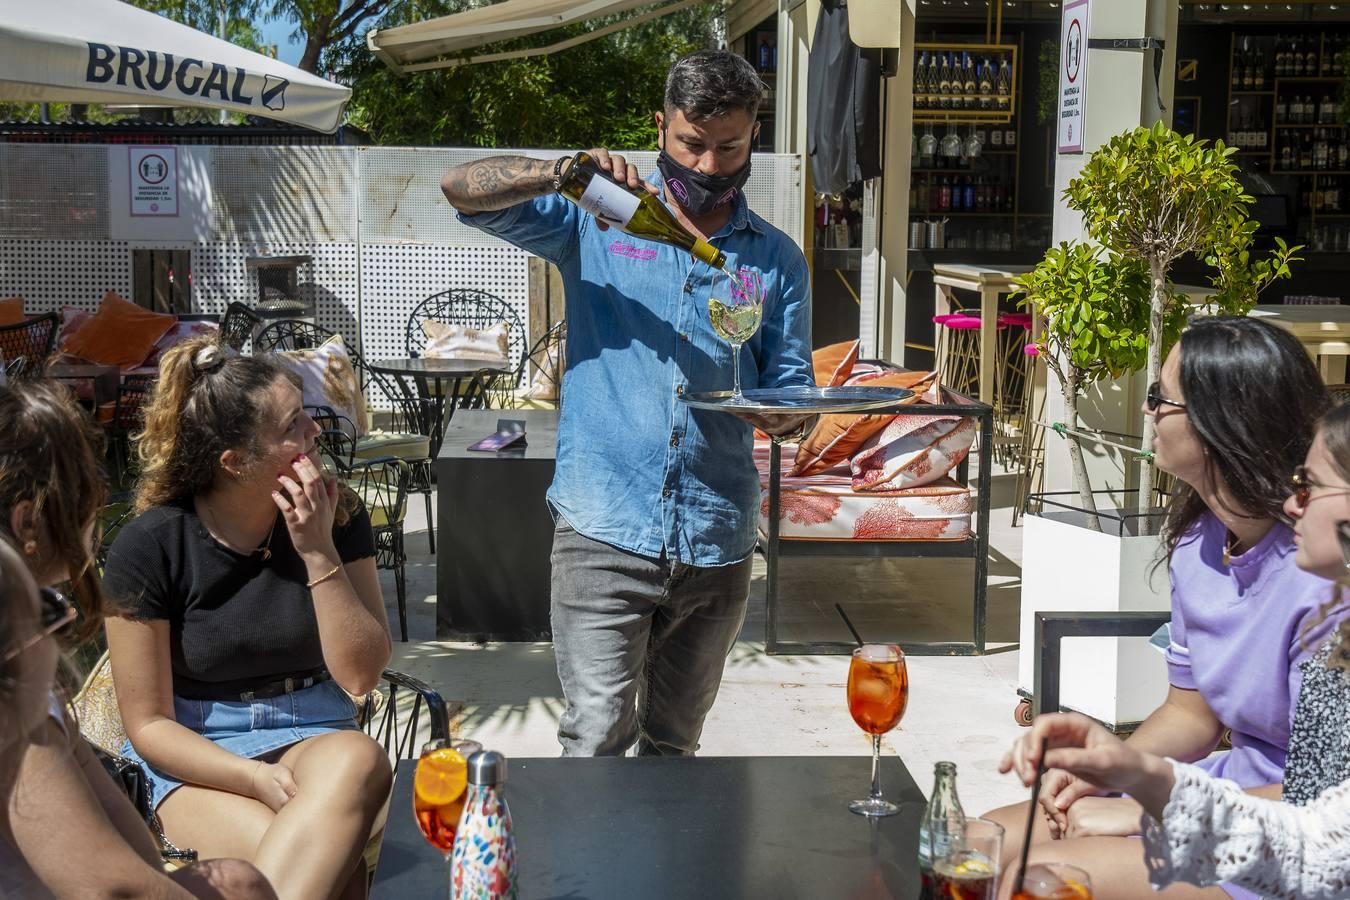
x=834 y=364
x=11 y=311
x=120 y=333
x=835 y=439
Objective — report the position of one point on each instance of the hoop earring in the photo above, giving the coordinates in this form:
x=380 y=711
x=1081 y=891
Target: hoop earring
x=30 y=548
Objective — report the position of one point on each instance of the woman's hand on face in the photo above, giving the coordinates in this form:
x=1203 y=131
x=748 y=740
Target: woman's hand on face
x=273 y=784
x=308 y=507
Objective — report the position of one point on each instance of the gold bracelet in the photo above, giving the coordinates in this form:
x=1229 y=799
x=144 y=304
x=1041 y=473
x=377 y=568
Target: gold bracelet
x=324 y=577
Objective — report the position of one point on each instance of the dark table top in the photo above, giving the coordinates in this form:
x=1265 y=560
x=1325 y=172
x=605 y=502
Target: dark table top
x=431 y=367
x=702 y=828
x=471 y=425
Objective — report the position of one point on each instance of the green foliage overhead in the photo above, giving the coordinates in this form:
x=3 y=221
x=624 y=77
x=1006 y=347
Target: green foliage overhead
x=601 y=93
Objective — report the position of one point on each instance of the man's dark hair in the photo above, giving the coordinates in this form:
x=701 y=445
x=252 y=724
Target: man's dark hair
x=711 y=83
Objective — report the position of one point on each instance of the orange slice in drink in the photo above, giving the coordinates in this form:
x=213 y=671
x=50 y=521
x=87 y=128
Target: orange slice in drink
x=441 y=777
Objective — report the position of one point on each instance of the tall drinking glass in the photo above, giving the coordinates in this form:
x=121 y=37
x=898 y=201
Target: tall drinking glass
x=438 y=792
x=968 y=870
x=736 y=307
x=878 y=692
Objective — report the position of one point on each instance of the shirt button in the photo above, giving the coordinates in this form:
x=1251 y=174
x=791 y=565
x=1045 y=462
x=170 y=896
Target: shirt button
x=675 y=439
x=665 y=492
x=679 y=390
x=688 y=287
x=685 y=338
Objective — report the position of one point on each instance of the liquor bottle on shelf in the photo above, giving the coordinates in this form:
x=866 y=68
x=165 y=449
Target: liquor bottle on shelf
x=1003 y=87
x=986 y=85
x=945 y=83
x=1248 y=70
x=1236 y=83
x=1296 y=110
x=1286 y=156
x=1281 y=110
x=1259 y=73
x=921 y=80
x=932 y=83
x=1327 y=55
x=1281 y=55
x=969 y=88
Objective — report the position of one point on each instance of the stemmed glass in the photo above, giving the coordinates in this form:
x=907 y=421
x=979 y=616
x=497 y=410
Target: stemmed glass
x=878 y=692
x=438 y=792
x=736 y=307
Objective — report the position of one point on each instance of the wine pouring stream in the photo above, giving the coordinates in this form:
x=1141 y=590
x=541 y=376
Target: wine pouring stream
x=737 y=302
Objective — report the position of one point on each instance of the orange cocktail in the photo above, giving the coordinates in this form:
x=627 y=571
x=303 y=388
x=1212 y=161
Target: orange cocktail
x=878 y=692
x=438 y=790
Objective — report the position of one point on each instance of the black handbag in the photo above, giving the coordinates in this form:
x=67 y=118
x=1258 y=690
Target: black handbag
x=130 y=777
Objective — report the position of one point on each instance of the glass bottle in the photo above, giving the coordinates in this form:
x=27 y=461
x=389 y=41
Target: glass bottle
x=1004 y=85
x=986 y=84
x=484 y=858
x=921 y=80
x=943 y=819
x=969 y=87
x=945 y=83
x=633 y=210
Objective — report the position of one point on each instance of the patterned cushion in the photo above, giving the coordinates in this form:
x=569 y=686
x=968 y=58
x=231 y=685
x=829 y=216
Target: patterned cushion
x=95 y=709
x=836 y=438
x=330 y=380
x=393 y=443
x=825 y=507
x=448 y=340
x=912 y=451
x=176 y=335
x=72 y=318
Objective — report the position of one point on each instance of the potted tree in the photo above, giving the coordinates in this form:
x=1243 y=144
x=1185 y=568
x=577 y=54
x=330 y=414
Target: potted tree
x=1148 y=197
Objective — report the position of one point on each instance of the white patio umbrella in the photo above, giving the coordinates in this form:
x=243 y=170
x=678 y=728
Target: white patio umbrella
x=105 y=51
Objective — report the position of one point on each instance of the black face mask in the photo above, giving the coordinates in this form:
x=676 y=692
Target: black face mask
x=697 y=193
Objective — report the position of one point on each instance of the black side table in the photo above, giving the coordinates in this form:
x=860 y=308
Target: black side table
x=492 y=561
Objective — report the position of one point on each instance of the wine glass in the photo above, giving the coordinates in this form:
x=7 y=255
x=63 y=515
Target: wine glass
x=878 y=692
x=438 y=792
x=736 y=307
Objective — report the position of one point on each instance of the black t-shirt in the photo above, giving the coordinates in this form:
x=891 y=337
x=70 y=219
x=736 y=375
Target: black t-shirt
x=235 y=622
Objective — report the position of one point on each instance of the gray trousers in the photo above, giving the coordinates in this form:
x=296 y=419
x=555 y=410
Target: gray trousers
x=640 y=644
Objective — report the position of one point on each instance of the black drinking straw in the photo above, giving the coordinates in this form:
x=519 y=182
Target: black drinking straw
x=843 y=615
x=1031 y=820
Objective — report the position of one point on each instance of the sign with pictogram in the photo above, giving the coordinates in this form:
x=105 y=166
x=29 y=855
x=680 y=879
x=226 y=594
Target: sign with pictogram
x=154 y=181
x=1073 y=47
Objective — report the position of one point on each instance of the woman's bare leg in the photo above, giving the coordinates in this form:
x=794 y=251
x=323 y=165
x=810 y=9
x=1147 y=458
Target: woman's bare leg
x=1115 y=865
x=1014 y=821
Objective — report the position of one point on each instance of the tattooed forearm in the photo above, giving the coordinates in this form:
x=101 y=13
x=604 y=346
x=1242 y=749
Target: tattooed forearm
x=497 y=182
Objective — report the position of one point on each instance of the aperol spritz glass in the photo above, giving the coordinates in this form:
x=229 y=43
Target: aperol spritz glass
x=878 y=692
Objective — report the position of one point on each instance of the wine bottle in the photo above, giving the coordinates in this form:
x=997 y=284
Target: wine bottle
x=633 y=210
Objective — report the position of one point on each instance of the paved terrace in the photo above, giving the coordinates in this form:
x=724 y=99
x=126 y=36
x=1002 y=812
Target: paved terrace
x=959 y=709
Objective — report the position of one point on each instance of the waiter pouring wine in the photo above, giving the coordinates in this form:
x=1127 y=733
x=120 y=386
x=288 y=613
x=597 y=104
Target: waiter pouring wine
x=655 y=503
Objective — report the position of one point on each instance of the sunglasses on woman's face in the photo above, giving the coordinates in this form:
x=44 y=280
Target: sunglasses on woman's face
x=1303 y=485
x=56 y=612
x=1154 y=398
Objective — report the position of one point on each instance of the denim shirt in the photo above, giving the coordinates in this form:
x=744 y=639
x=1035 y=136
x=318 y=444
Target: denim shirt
x=636 y=468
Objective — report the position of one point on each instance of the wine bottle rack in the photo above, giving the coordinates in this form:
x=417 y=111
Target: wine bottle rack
x=980 y=84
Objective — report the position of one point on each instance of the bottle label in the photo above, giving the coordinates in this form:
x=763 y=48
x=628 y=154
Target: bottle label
x=608 y=202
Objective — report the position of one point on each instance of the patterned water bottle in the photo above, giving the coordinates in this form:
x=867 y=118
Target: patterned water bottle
x=484 y=858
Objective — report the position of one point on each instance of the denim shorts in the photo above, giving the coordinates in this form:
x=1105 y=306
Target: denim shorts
x=255 y=729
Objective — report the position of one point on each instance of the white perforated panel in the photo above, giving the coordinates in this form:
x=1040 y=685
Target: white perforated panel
x=284 y=193
x=54 y=191
x=396 y=278
x=51 y=274
x=331 y=278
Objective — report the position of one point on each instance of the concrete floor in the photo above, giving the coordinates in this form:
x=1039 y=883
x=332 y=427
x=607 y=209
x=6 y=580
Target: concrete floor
x=960 y=708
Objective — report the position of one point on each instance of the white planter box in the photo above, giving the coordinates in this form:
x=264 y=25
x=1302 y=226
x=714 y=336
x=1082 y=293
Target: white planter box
x=1068 y=568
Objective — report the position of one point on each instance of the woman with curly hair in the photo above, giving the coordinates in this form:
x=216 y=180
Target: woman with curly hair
x=247 y=609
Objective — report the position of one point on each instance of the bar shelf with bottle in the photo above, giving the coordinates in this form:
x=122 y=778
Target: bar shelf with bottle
x=965 y=82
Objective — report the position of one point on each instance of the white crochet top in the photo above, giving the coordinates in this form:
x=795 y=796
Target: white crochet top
x=1212 y=832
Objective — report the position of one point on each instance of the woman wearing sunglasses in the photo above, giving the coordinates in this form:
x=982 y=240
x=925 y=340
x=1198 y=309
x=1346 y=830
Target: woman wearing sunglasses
x=1234 y=412
x=1202 y=830
x=51 y=491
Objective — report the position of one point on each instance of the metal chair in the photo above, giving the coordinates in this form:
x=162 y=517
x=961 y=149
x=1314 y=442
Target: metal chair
x=478 y=310
x=382 y=485
x=238 y=325
x=409 y=435
x=128 y=419
x=546 y=357
x=33 y=339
